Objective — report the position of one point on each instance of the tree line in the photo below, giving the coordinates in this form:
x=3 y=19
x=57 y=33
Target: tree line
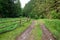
x=10 y=8
x=42 y=9
x=34 y=9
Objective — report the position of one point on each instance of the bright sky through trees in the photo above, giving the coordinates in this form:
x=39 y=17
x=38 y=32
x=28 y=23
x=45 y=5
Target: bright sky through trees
x=23 y=2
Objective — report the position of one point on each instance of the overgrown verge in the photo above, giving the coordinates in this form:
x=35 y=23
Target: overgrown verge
x=7 y=25
x=54 y=26
x=11 y=35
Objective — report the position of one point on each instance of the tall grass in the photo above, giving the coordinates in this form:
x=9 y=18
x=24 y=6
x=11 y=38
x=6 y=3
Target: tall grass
x=18 y=29
x=54 y=27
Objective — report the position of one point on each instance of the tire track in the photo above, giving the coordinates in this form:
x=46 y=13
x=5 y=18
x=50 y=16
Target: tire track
x=46 y=34
x=26 y=34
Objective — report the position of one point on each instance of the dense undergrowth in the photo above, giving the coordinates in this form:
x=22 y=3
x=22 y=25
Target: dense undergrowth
x=54 y=26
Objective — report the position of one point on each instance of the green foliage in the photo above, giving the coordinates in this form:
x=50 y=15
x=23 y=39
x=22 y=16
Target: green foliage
x=37 y=32
x=8 y=25
x=54 y=27
x=42 y=9
x=54 y=14
x=11 y=35
x=9 y=9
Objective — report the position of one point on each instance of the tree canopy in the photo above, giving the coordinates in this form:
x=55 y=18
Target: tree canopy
x=10 y=8
x=42 y=9
x=34 y=9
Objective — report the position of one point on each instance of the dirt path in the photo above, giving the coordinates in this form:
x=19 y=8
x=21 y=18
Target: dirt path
x=46 y=34
x=26 y=34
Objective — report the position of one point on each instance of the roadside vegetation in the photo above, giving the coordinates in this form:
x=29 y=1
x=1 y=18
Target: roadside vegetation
x=15 y=30
x=54 y=26
x=14 y=19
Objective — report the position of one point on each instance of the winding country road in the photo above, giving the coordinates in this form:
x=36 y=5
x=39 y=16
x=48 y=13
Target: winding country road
x=26 y=35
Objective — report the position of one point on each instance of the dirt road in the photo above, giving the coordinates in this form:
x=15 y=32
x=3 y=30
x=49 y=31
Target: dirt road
x=26 y=34
x=46 y=34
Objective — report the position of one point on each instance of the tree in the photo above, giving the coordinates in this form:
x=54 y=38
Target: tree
x=9 y=8
x=42 y=8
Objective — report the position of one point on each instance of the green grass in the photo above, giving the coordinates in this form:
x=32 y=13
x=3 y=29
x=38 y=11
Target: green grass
x=11 y=35
x=2 y=25
x=10 y=24
x=36 y=32
x=54 y=26
x=4 y=20
x=10 y=19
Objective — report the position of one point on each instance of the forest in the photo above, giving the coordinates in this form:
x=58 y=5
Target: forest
x=49 y=9
x=38 y=20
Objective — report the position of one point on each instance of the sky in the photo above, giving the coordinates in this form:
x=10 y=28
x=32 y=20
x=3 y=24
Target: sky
x=23 y=2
